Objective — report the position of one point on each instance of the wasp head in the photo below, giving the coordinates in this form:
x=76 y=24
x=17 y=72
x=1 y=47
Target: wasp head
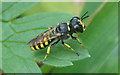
x=77 y=23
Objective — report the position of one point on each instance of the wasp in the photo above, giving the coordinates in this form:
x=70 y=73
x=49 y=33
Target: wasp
x=61 y=32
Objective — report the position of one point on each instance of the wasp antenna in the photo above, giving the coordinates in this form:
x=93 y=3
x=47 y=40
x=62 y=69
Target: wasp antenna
x=84 y=15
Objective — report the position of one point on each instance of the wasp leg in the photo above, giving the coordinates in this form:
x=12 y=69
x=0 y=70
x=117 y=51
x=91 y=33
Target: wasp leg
x=48 y=50
x=68 y=46
x=75 y=38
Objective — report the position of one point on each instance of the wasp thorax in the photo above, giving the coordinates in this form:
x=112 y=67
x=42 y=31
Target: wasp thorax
x=62 y=28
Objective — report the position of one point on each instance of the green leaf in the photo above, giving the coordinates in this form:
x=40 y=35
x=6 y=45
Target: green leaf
x=39 y=21
x=0 y=55
x=91 y=7
x=66 y=7
x=106 y=67
x=22 y=29
x=0 y=31
x=13 y=9
x=37 y=24
x=16 y=56
x=101 y=37
x=7 y=32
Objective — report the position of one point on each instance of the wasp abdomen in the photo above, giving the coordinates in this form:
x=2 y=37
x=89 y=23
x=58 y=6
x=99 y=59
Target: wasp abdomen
x=41 y=44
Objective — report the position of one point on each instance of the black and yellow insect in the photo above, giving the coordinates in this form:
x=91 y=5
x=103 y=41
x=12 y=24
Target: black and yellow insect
x=61 y=32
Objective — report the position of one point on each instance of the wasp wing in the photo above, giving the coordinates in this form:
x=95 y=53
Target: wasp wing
x=41 y=38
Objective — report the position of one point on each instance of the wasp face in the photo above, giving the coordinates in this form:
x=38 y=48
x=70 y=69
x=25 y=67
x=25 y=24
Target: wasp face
x=77 y=24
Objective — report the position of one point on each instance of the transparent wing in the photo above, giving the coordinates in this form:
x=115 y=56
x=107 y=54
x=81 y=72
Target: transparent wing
x=47 y=34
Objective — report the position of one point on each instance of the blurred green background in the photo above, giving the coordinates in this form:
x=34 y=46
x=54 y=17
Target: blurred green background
x=24 y=21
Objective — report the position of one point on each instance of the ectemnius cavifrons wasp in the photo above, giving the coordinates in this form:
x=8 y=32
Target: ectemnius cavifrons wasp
x=61 y=32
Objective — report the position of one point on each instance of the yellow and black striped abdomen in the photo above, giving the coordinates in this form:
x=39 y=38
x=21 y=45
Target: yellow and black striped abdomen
x=42 y=44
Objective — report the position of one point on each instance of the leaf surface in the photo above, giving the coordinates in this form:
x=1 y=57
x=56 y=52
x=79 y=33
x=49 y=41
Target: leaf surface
x=22 y=29
x=101 y=37
x=15 y=56
x=13 y=9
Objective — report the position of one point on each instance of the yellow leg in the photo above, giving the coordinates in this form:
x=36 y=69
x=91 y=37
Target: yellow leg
x=68 y=46
x=48 y=52
x=75 y=38
x=80 y=42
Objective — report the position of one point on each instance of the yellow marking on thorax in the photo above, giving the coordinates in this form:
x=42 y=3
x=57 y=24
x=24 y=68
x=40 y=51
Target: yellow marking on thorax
x=68 y=23
x=32 y=48
x=42 y=46
x=68 y=28
x=49 y=28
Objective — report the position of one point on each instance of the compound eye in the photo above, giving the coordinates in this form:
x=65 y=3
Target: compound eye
x=78 y=21
x=75 y=20
x=78 y=28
